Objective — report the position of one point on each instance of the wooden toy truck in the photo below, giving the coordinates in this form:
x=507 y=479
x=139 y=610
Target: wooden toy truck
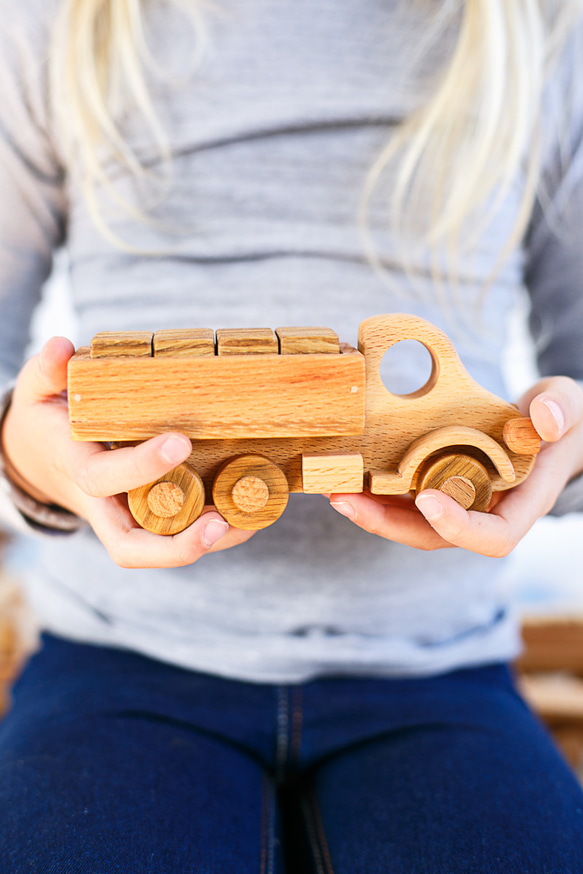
x=294 y=411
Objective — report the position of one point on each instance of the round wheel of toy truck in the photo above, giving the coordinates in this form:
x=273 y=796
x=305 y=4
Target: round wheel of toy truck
x=171 y=503
x=461 y=477
x=250 y=492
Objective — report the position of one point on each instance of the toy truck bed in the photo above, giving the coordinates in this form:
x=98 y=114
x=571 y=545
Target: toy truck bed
x=217 y=396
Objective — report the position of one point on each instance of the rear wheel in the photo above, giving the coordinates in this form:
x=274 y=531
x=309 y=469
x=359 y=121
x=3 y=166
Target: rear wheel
x=461 y=477
x=171 y=503
x=250 y=492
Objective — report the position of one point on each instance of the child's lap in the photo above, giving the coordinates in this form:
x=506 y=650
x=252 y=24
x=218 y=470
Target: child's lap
x=124 y=793
x=110 y=762
x=449 y=799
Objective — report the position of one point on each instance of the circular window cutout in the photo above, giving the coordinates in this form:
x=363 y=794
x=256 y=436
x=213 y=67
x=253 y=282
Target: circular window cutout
x=407 y=369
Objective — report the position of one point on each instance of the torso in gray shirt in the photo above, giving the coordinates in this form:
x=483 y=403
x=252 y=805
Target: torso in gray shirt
x=272 y=140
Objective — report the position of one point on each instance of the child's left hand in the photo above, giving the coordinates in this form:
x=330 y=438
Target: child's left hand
x=435 y=521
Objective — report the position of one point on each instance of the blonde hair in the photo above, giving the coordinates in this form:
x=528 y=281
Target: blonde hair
x=458 y=155
x=98 y=67
x=464 y=146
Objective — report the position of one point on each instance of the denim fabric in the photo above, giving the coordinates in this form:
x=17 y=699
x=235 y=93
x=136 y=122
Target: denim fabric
x=112 y=762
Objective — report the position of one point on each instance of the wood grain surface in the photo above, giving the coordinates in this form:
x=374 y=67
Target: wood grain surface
x=239 y=492
x=122 y=344
x=177 y=500
x=315 y=406
x=307 y=341
x=226 y=396
x=184 y=343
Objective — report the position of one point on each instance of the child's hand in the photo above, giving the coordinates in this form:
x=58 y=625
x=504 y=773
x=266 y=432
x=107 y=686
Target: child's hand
x=90 y=480
x=436 y=521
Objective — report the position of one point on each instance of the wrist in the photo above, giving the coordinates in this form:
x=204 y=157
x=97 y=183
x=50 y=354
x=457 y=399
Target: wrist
x=31 y=502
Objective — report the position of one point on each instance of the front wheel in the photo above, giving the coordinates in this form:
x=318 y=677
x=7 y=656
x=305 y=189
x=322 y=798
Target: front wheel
x=461 y=477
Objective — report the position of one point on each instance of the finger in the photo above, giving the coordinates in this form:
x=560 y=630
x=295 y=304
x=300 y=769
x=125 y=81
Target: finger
x=555 y=405
x=133 y=547
x=512 y=513
x=496 y=533
x=45 y=375
x=394 y=520
x=555 y=414
x=486 y=533
x=103 y=473
x=235 y=535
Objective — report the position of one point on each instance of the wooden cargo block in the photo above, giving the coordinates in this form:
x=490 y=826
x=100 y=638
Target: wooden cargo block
x=122 y=344
x=227 y=396
x=330 y=472
x=303 y=341
x=184 y=342
x=246 y=341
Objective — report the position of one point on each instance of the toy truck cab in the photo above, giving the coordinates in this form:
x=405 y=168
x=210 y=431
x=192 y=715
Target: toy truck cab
x=451 y=434
x=294 y=411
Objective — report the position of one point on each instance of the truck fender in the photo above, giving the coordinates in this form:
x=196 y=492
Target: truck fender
x=400 y=481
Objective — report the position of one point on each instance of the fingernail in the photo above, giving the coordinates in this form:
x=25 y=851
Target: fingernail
x=429 y=506
x=344 y=508
x=556 y=412
x=213 y=531
x=174 y=449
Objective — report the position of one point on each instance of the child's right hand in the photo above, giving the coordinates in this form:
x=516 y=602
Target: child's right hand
x=90 y=480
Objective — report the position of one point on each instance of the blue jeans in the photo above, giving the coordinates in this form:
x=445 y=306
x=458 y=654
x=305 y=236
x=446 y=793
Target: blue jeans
x=112 y=762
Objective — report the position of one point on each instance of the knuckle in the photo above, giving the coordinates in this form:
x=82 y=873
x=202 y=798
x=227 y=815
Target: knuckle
x=77 y=471
x=189 y=552
x=570 y=385
x=147 y=466
x=452 y=531
x=119 y=556
x=374 y=527
x=430 y=546
x=29 y=375
x=87 y=481
x=571 y=394
x=549 y=499
x=63 y=463
x=502 y=548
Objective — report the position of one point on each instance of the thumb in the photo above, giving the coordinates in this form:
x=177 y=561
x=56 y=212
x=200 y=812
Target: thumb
x=45 y=374
x=557 y=409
